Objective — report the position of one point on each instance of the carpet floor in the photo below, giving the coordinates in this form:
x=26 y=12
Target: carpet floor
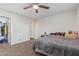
x=21 y=49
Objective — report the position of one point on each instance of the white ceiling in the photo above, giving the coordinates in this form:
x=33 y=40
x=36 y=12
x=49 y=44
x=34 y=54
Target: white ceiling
x=54 y=8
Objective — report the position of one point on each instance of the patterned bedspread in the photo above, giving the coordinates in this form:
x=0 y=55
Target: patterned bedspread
x=57 y=45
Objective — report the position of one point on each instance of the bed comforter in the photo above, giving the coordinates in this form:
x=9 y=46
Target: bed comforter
x=57 y=46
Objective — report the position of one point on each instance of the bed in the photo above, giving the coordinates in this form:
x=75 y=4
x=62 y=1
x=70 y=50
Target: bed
x=52 y=45
x=3 y=39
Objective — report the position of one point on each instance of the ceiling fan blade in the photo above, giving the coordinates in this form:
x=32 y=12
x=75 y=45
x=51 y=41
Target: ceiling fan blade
x=36 y=10
x=42 y=6
x=28 y=7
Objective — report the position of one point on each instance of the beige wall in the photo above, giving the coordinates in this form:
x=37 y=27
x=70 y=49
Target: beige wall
x=77 y=22
x=57 y=23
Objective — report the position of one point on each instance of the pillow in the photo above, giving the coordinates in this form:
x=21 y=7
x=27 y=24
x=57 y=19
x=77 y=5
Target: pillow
x=71 y=35
x=57 y=33
x=51 y=33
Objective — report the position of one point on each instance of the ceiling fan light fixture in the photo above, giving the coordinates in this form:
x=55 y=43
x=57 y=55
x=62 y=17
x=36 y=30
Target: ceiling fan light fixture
x=35 y=6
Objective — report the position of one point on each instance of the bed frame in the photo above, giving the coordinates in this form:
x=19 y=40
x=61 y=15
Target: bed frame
x=41 y=52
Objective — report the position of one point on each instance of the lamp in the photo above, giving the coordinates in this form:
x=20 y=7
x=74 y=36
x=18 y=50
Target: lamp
x=35 y=6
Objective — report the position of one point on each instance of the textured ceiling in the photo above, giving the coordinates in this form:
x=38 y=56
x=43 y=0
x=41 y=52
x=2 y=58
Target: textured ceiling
x=54 y=8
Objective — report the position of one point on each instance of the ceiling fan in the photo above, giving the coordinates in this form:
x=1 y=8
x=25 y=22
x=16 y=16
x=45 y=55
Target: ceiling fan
x=36 y=6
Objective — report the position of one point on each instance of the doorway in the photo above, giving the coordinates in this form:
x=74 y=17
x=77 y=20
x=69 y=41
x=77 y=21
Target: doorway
x=3 y=29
